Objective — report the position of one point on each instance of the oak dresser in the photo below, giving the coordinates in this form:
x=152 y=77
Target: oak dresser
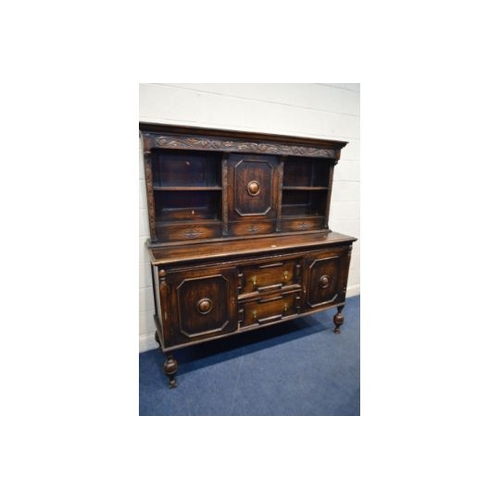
x=239 y=235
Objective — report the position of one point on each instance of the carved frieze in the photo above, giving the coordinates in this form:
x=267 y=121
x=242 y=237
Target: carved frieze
x=242 y=146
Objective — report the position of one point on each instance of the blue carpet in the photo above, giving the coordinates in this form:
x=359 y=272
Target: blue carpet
x=296 y=368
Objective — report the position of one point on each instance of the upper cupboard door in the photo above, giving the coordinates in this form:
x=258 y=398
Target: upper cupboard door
x=253 y=186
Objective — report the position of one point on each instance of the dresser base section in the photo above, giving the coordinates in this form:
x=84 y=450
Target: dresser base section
x=231 y=294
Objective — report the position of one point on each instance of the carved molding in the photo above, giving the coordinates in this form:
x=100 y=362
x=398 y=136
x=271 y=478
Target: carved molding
x=225 y=191
x=203 y=143
x=162 y=274
x=193 y=233
x=150 y=196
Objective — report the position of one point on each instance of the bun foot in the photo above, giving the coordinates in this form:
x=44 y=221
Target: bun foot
x=170 y=369
x=338 y=319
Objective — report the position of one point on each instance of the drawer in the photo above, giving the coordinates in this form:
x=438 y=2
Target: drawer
x=189 y=232
x=302 y=224
x=252 y=228
x=268 y=309
x=270 y=276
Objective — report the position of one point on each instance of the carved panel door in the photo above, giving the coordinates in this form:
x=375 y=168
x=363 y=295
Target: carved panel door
x=202 y=303
x=253 y=187
x=326 y=277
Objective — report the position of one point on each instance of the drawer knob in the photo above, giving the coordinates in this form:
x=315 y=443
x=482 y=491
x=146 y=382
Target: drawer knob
x=204 y=306
x=253 y=188
x=324 y=281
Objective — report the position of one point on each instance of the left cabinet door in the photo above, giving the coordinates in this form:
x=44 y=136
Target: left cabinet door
x=201 y=303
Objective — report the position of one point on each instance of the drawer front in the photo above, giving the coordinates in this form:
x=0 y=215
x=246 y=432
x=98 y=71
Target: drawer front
x=269 y=276
x=252 y=228
x=269 y=309
x=189 y=232
x=304 y=224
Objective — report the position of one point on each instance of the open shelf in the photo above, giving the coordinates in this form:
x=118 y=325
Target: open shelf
x=210 y=189
x=187 y=205
x=306 y=173
x=304 y=203
x=186 y=169
x=305 y=188
x=187 y=186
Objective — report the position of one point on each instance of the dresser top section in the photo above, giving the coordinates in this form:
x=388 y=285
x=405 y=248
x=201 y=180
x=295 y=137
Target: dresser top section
x=231 y=248
x=190 y=138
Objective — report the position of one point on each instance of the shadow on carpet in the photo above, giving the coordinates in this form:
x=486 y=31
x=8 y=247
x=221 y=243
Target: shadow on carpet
x=295 y=368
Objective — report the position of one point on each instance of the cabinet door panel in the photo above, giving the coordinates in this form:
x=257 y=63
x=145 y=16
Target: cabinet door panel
x=253 y=186
x=203 y=303
x=327 y=277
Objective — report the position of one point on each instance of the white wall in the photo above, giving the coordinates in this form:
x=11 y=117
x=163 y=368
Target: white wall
x=322 y=110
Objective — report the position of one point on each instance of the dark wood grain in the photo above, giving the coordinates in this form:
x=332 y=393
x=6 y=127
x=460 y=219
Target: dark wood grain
x=239 y=233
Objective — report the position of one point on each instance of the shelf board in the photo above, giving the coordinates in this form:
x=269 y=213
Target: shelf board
x=305 y=188
x=187 y=188
x=212 y=221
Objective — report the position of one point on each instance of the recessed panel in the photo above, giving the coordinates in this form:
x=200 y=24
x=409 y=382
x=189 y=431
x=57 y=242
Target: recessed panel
x=253 y=188
x=324 y=277
x=203 y=305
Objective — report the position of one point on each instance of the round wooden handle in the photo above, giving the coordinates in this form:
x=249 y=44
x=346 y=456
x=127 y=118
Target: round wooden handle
x=204 y=306
x=253 y=188
x=324 y=281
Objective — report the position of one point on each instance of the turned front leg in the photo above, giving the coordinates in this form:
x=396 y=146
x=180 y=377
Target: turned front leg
x=170 y=369
x=338 y=319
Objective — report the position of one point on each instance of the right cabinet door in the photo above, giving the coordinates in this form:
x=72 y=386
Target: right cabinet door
x=326 y=277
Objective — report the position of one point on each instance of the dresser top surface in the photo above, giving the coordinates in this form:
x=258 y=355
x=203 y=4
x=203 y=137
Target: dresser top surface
x=231 y=248
x=158 y=129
